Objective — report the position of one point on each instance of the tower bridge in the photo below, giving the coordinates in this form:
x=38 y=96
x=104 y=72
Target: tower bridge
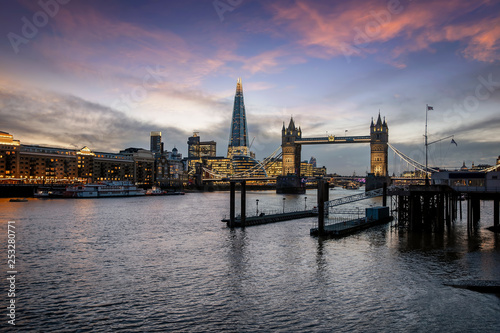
x=241 y=164
x=291 y=147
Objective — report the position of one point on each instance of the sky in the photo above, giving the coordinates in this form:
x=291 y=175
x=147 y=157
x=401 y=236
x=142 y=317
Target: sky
x=104 y=74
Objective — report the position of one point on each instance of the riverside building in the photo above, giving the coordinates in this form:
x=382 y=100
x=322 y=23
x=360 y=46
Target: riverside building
x=45 y=165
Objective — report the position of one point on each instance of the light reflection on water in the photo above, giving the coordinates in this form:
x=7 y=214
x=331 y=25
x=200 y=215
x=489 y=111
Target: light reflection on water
x=169 y=264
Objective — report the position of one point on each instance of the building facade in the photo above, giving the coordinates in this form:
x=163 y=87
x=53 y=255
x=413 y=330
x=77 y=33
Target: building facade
x=199 y=149
x=9 y=156
x=156 y=145
x=45 y=165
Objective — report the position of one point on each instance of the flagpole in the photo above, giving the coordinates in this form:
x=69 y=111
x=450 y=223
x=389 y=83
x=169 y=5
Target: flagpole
x=426 y=158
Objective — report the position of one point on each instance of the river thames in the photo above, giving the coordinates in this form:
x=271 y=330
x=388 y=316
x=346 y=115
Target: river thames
x=168 y=264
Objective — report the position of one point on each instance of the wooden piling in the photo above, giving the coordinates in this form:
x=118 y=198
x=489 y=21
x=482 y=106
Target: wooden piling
x=243 y=202
x=460 y=209
x=321 y=207
x=426 y=207
x=441 y=211
x=496 y=213
x=469 y=211
x=384 y=195
x=232 y=196
x=476 y=210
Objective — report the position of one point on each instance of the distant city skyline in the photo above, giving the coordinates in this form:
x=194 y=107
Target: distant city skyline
x=106 y=74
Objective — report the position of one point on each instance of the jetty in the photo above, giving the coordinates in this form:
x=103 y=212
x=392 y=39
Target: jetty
x=271 y=218
x=374 y=216
x=349 y=227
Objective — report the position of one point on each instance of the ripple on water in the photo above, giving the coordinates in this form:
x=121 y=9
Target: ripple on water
x=169 y=264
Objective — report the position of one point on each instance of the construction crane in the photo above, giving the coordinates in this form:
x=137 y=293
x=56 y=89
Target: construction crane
x=251 y=143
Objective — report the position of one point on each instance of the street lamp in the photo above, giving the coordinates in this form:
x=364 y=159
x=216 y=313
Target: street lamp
x=284 y=205
x=257 y=202
x=305 y=203
x=345 y=133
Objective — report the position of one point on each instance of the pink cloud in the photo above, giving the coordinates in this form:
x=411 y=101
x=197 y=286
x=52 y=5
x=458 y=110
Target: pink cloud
x=263 y=62
x=359 y=28
x=83 y=41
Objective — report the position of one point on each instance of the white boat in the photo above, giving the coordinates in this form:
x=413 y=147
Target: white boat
x=103 y=190
x=41 y=194
x=155 y=191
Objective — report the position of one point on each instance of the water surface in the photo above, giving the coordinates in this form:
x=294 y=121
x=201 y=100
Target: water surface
x=169 y=264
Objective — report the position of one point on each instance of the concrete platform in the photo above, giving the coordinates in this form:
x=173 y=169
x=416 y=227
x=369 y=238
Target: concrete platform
x=349 y=227
x=272 y=218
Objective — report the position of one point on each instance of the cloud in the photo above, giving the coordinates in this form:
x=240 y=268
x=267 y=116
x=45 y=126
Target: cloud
x=484 y=130
x=85 y=41
x=45 y=118
x=360 y=28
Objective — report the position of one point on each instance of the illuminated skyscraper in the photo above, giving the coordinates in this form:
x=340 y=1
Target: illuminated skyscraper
x=238 y=139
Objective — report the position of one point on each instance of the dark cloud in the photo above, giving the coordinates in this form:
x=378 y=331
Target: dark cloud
x=486 y=129
x=69 y=121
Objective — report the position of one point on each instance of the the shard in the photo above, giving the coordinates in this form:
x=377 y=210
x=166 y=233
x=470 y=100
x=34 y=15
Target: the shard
x=238 y=139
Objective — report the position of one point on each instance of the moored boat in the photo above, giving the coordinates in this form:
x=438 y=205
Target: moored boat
x=155 y=191
x=103 y=190
x=174 y=193
x=41 y=194
x=18 y=200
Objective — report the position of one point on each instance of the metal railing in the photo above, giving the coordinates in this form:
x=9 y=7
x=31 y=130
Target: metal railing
x=354 y=198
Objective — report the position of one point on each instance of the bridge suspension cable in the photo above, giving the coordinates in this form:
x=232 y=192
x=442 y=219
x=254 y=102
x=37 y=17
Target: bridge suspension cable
x=493 y=168
x=421 y=167
x=412 y=162
x=271 y=159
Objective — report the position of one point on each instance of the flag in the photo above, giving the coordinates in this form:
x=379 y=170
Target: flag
x=430 y=108
x=453 y=141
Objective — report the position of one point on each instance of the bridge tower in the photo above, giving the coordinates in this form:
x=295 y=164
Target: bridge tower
x=379 y=134
x=291 y=151
x=290 y=182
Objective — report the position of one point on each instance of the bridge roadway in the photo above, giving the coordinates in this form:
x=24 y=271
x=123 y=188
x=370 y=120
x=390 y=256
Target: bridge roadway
x=333 y=139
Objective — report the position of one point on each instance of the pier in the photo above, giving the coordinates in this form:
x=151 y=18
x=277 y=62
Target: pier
x=431 y=207
x=374 y=216
x=425 y=207
x=242 y=220
x=271 y=218
x=348 y=227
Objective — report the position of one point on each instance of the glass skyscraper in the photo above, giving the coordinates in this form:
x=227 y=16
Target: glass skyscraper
x=238 y=139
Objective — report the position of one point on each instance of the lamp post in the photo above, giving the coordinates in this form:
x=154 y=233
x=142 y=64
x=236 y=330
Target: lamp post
x=305 y=203
x=284 y=205
x=257 y=202
x=345 y=133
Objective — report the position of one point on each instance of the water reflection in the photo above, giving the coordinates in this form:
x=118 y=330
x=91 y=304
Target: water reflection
x=169 y=264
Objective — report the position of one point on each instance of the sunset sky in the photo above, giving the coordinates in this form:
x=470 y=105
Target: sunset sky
x=103 y=74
